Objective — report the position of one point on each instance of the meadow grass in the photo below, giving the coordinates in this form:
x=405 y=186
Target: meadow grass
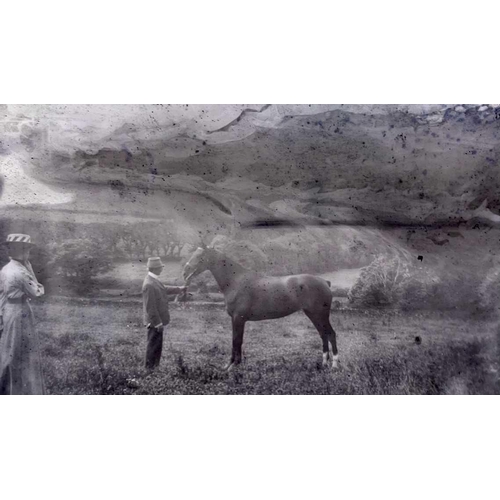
x=99 y=349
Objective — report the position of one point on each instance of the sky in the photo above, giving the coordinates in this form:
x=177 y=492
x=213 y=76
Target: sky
x=92 y=127
x=89 y=126
x=21 y=189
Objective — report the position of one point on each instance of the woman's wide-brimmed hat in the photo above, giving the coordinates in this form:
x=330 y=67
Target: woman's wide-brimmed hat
x=154 y=263
x=24 y=239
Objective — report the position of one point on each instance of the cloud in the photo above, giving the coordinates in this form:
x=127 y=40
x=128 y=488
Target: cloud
x=21 y=189
x=377 y=166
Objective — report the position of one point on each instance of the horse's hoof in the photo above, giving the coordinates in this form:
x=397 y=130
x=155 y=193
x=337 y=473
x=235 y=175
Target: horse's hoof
x=325 y=360
x=335 y=363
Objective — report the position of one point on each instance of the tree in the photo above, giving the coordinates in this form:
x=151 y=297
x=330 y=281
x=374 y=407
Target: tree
x=128 y=239
x=111 y=237
x=80 y=261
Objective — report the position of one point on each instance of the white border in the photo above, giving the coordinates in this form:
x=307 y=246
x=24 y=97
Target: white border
x=220 y=52
x=250 y=447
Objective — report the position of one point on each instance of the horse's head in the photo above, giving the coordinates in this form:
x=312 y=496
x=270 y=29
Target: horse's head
x=199 y=262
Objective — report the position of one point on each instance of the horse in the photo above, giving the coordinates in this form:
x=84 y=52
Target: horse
x=252 y=296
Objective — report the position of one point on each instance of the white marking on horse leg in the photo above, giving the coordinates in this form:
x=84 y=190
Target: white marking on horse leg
x=335 y=361
x=325 y=359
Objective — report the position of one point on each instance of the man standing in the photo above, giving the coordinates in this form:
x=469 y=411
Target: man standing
x=156 y=314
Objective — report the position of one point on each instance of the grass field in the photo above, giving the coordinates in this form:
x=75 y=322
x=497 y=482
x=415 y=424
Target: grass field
x=99 y=349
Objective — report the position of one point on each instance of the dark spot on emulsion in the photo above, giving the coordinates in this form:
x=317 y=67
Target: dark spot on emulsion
x=420 y=257
x=418 y=340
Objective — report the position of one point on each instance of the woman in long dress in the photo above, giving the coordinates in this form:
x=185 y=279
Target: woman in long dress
x=20 y=363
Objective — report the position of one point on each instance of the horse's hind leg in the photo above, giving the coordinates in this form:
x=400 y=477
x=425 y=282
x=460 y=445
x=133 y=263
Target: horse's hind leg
x=321 y=321
x=238 y=330
x=332 y=337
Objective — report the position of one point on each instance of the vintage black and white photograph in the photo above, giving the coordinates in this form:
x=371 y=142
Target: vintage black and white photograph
x=239 y=301
x=249 y=248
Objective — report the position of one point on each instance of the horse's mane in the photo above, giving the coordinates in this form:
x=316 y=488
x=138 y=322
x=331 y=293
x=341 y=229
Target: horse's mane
x=229 y=259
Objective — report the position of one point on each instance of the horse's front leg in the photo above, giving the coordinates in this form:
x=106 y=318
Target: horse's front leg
x=238 y=330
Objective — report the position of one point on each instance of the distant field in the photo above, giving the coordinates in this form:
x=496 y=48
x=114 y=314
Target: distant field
x=128 y=277
x=99 y=349
x=135 y=271
x=343 y=279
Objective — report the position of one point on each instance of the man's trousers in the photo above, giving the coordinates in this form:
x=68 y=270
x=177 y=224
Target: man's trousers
x=153 y=348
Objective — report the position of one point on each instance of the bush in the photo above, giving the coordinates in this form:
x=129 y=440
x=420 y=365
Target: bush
x=79 y=262
x=459 y=289
x=40 y=258
x=394 y=282
x=421 y=290
x=380 y=283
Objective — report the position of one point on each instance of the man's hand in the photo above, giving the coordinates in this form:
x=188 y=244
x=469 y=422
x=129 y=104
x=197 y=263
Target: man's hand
x=159 y=329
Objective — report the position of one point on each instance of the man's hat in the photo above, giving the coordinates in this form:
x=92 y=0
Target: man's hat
x=154 y=263
x=24 y=239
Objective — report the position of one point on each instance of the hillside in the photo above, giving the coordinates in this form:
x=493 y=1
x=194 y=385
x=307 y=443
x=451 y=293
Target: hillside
x=295 y=177
x=395 y=165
